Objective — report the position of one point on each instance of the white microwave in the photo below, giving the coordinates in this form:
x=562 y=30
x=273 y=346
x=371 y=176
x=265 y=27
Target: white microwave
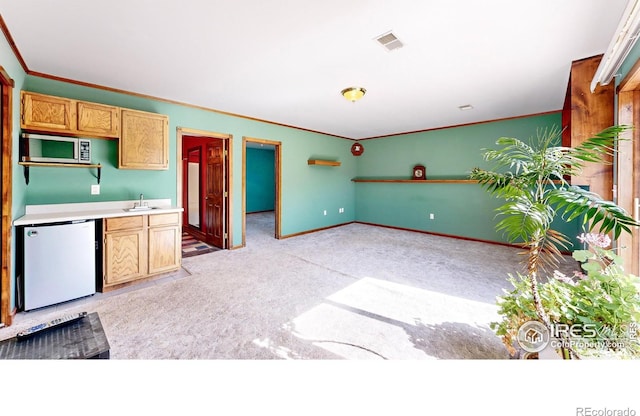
x=54 y=149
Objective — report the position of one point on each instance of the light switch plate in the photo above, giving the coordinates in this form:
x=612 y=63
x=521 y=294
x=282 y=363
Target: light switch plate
x=95 y=189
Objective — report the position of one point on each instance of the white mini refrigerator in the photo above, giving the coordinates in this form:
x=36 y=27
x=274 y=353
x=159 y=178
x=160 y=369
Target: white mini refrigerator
x=59 y=263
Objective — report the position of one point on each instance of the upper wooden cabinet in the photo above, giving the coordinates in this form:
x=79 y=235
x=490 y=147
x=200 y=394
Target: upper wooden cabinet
x=144 y=140
x=49 y=114
x=46 y=113
x=98 y=119
x=144 y=137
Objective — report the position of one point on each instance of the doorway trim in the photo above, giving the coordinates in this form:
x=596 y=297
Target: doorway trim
x=7 y=190
x=228 y=138
x=628 y=165
x=278 y=185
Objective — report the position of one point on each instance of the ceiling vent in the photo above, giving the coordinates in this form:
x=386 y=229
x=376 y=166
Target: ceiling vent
x=389 y=41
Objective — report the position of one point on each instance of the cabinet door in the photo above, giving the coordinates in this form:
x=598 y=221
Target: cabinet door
x=164 y=249
x=144 y=140
x=98 y=119
x=125 y=256
x=47 y=113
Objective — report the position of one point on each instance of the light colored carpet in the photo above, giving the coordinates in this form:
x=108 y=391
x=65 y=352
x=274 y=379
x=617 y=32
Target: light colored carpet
x=351 y=292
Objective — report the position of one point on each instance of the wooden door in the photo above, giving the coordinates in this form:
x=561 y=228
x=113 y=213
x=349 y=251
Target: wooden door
x=204 y=167
x=215 y=192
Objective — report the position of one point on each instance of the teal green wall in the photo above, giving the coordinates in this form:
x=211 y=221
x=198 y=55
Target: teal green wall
x=260 y=180
x=460 y=209
x=304 y=190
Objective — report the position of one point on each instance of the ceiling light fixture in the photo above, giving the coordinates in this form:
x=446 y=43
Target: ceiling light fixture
x=353 y=94
x=466 y=107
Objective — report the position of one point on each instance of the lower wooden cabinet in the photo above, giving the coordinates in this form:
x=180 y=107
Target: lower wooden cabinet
x=140 y=246
x=165 y=242
x=125 y=256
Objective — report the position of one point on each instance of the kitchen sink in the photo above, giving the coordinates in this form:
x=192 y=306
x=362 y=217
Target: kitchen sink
x=142 y=208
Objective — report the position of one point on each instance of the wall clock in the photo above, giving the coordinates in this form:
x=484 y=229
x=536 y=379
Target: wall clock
x=357 y=149
x=419 y=172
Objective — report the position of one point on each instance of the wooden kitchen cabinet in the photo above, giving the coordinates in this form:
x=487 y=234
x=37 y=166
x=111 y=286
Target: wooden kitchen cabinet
x=49 y=114
x=140 y=246
x=98 y=119
x=144 y=140
x=165 y=242
x=144 y=136
x=125 y=249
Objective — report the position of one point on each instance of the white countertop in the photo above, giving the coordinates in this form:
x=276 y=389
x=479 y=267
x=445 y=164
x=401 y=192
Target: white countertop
x=42 y=214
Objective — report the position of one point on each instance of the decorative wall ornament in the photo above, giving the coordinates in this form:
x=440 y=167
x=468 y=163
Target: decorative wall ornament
x=419 y=172
x=357 y=149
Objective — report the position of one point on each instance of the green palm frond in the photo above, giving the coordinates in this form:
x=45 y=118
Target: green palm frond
x=573 y=202
x=601 y=145
x=501 y=185
x=523 y=219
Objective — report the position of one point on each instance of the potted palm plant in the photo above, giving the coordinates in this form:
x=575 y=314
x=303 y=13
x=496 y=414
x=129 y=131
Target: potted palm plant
x=531 y=178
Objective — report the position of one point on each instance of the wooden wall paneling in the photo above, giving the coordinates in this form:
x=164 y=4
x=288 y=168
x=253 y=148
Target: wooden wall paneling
x=6 y=112
x=626 y=182
x=590 y=114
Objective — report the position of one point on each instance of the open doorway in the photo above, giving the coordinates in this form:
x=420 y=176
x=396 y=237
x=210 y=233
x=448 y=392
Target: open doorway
x=261 y=187
x=203 y=186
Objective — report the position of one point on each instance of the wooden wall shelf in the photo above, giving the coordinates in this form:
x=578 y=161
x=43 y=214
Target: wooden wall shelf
x=415 y=180
x=27 y=165
x=322 y=162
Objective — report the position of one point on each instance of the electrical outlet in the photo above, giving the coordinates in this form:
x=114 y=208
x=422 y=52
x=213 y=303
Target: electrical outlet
x=431 y=216
x=340 y=210
x=325 y=212
x=95 y=189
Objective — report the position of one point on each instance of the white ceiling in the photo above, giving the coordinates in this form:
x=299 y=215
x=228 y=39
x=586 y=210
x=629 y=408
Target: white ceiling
x=287 y=61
